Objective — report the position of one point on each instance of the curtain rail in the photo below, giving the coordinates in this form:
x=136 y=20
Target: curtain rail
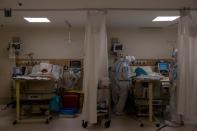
x=107 y=9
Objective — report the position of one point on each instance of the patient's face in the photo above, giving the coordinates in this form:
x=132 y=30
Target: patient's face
x=44 y=70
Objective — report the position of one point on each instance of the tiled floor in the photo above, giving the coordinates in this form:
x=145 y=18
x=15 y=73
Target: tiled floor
x=123 y=123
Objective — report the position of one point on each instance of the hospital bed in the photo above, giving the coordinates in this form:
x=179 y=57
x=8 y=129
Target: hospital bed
x=34 y=91
x=148 y=94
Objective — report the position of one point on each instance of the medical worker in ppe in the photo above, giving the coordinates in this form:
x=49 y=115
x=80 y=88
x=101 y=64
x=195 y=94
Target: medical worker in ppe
x=121 y=79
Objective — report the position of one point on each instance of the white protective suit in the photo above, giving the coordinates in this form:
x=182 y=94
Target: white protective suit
x=120 y=85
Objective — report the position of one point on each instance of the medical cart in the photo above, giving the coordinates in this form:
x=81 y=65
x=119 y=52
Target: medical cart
x=103 y=108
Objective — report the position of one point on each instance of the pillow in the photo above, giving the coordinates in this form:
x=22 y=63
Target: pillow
x=35 y=70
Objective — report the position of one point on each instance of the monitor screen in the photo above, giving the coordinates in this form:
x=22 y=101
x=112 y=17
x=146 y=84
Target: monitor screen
x=75 y=64
x=117 y=47
x=163 y=66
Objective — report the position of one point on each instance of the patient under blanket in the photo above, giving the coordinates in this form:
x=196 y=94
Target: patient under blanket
x=47 y=70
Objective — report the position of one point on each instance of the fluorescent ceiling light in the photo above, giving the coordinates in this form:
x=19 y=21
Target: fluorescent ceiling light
x=166 y=18
x=38 y=20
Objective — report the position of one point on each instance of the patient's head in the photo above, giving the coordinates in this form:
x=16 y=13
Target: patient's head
x=44 y=70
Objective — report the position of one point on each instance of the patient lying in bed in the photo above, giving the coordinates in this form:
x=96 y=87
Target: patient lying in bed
x=47 y=70
x=145 y=72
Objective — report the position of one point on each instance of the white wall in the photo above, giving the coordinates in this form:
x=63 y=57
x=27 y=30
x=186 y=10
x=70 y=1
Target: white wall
x=146 y=43
x=5 y=72
x=51 y=43
x=47 y=42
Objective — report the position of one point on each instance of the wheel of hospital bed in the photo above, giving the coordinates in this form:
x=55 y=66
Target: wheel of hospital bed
x=14 y=122
x=157 y=124
x=47 y=121
x=107 y=124
x=84 y=124
x=50 y=118
x=141 y=125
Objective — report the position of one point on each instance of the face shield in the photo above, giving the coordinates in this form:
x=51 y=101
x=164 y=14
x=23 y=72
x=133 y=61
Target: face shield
x=174 y=53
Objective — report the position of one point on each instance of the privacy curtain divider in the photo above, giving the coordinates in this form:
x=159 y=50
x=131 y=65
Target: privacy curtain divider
x=95 y=62
x=187 y=70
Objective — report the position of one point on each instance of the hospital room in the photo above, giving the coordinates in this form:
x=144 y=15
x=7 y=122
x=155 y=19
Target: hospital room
x=98 y=65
